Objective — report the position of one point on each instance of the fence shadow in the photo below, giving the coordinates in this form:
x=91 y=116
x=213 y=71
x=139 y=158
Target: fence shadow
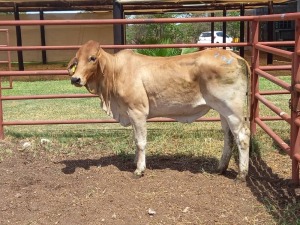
x=279 y=196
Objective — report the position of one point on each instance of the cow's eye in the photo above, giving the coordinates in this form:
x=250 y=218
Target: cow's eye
x=92 y=58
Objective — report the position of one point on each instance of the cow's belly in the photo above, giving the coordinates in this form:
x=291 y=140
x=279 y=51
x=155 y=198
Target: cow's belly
x=185 y=112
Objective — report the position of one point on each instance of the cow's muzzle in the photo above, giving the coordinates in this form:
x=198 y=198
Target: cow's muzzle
x=75 y=81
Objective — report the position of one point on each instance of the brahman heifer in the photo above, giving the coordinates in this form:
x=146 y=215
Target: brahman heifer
x=134 y=87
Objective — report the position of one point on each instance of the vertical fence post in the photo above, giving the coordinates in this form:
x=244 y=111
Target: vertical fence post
x=270 y=33
x=254 y=77
x=9 y=59
x=118 y=13
x=19 y=38
x=242 y=30
x=295 y=106
x=212 y=28
x=224 y=27
x=1 y=113
x=43 y=38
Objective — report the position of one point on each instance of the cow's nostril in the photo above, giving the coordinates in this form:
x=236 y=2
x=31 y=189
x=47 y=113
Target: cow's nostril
x=75 y=80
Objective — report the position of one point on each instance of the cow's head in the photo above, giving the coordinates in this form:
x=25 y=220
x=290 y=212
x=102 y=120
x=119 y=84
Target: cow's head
x=84 y=67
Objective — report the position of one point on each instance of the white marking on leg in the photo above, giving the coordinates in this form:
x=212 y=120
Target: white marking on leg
x=241 y=132
x=140 y=136
x=228 y=144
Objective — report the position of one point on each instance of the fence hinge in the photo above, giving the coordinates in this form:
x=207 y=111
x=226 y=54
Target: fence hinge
x=296 y=108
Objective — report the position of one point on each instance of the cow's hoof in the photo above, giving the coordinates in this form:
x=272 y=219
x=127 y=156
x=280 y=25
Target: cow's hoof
x=138 y=174
x=241 y=177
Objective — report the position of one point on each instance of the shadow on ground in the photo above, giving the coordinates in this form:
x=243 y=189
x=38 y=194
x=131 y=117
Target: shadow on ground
x=280 y=198
x=125 y=163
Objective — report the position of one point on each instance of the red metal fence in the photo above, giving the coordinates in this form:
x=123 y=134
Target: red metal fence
x=8 y=57
x=292 y=118
x=257 y=96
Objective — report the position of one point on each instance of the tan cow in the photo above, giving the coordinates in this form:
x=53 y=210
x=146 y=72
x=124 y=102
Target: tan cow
x=134 y=87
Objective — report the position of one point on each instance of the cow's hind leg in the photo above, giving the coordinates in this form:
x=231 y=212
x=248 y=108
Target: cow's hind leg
x=228 y=145
x=241 y=133
x=140 y=136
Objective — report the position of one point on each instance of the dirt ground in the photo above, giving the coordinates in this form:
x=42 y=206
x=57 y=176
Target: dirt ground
x=98 y=188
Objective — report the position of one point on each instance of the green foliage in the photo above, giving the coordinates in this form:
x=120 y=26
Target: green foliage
x=176 y=32
x=159 y=51
x=233 y=28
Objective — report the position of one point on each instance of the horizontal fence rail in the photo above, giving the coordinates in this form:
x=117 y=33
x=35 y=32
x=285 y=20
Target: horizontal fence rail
x=128 y=46
x=257 y=96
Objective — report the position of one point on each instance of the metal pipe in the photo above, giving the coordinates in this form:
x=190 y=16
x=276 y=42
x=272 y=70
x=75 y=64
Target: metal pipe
x=297 y=122
x=123 y=21
x=280 y=92
x=277 y=17
x=274 y=108
x=242 y=30
x=270 y=33
x=275 y=80
x=43 y=38
x=270 y=118
x=275 y=67
x=26 y=97
x=224 y=27
x=295 y=106
x=297 y=157
x=19 y=37
x=76 y=47
x=275 y=51
x=284 y=146
x=1 y=114
x=297 y=87
x=254 y=78
x=274 y=17
x=278 y=43
x=118 y=13
x=212 y=29
x=44 y=122
x=33 y=72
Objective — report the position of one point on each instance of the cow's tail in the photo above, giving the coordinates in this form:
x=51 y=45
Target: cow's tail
x=248 y=93
x=247 y=72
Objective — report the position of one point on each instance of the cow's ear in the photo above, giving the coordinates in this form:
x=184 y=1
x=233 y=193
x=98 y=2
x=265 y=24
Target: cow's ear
x=72 y=66
x=102 y=64
x=101 y=60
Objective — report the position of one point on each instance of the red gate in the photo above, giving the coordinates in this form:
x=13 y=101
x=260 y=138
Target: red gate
x=257 y=71
x=8 y=57
x=292 y=149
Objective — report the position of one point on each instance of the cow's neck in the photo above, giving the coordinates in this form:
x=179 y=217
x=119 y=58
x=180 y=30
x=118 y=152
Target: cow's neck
x=107 y=80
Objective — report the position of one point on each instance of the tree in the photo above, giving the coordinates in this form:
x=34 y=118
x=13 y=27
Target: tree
x=175 y=32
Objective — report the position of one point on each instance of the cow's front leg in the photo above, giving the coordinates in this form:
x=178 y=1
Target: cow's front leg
x=139 y=126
